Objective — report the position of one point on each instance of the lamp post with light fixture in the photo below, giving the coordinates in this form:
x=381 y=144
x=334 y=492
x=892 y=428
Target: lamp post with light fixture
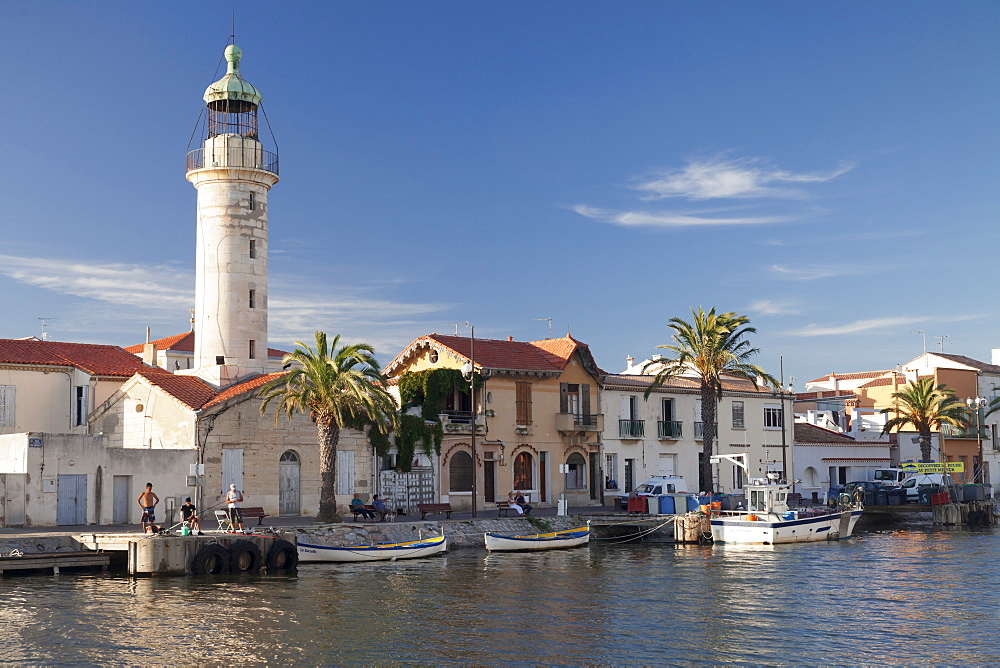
x=469 y=372
x=976 y=405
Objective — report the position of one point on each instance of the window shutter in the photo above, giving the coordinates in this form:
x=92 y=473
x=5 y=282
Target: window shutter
x=563 y=398
x=585 y=391
x=626 y=408
x=345 y=472
x=7 y=405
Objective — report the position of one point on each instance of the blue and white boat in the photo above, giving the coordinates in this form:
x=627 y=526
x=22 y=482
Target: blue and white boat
x=414 y=549
x=767 y=519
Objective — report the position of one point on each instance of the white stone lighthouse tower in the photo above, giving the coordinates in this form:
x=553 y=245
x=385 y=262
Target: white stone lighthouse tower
x=233 y=173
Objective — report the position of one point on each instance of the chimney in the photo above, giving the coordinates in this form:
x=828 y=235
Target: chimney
x=629 y=361
x=149 y=354
x=833 y=382
x=510 y=338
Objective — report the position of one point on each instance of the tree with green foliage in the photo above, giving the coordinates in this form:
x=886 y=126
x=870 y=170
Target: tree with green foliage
x=338 y=387
x=925 y=407
x=711 y=346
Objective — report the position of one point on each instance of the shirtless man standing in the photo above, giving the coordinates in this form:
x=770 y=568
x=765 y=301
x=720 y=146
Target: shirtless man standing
x=147 y=501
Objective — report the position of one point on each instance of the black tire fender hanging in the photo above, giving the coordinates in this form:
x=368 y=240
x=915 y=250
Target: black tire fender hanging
x=213 y=559
x=283 y=556
x=245 y=557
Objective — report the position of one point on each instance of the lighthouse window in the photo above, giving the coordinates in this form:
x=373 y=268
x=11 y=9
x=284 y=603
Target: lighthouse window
x=253 y=299
x=253 y=349
x=253 y=204
x=253 y=248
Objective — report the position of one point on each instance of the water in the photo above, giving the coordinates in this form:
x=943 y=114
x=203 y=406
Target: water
x=917 y=596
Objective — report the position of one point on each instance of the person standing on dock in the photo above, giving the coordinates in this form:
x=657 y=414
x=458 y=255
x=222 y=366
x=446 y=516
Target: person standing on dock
x=147 y=501
x=234 y=498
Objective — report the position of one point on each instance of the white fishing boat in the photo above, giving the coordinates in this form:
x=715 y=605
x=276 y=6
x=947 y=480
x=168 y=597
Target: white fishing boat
x=767 y=520
x=538 y=541
x=425 y=547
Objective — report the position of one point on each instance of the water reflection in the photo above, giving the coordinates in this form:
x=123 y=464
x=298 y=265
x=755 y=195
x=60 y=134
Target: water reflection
x=890 y=597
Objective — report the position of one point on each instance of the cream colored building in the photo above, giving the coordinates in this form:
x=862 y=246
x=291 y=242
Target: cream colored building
x=664 y=435
x=537 y=417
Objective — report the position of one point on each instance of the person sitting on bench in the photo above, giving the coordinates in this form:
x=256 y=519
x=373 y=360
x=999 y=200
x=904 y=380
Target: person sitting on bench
x=357 y=505
x=513 y=504
x=519 y=497
x=379 y=507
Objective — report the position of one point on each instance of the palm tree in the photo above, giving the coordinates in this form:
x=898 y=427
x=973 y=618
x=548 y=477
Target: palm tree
x=712 y=346
x=337 y=388
x=925 y=407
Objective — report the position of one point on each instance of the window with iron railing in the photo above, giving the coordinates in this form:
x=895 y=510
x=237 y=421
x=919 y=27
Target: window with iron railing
x=631 y=428
x=699 y=430
x=669 y=429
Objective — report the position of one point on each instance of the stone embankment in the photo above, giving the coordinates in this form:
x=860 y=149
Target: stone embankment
x=462 y=534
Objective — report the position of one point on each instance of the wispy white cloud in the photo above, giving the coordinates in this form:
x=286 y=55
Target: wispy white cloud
x=772 y=307
x=134 y=285
x=817 y=271
x=667 y=219
x=128 y=297
x=856 y=326
x=720 y=177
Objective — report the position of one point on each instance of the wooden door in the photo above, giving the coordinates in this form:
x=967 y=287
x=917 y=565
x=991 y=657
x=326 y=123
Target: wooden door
x=71 y=501
x=13 y=500
x=489 y=481
x=121 y=486
x=288 y=484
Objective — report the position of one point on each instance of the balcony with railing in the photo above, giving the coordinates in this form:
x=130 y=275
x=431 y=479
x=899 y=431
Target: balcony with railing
x=951 y=431
x=460 y=422
x=699 y=431
x=669 y=430
x=577 y=422
x=233 y=156
x=631 y=428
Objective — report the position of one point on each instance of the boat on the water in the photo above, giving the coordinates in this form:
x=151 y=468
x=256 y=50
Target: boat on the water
x=380 y=552
x=767 y=519
x=538 y=541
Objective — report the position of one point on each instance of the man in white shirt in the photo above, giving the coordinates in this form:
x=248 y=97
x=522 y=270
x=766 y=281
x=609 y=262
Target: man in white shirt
x=234 y=498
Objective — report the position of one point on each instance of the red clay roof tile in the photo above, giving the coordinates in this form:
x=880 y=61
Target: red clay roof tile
x=98 y=360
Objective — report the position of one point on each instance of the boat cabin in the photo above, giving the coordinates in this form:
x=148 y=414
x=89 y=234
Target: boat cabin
x=764 y=496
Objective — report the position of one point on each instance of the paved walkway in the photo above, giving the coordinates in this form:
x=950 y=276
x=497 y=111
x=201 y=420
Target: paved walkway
x=487 y=513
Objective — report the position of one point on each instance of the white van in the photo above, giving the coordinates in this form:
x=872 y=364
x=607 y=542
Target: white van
x=891 y=477
x=658 y=484
x=912 y=485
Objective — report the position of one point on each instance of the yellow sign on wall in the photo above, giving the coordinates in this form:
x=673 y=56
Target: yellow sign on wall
x=934 y=467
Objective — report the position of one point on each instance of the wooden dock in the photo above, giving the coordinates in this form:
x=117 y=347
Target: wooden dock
x=43 y=561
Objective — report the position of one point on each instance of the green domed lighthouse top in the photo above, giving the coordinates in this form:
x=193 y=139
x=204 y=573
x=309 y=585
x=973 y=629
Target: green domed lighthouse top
x=233 y=87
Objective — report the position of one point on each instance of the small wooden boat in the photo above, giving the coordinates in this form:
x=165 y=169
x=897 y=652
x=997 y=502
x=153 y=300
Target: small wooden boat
x=381 y=552
x=538 y=541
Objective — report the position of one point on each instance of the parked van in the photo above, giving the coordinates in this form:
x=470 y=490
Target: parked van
x=658 y=484
x=891 y=477
x=912 y=485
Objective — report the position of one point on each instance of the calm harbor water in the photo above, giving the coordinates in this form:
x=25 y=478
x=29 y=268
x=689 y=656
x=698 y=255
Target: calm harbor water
x=915 y=596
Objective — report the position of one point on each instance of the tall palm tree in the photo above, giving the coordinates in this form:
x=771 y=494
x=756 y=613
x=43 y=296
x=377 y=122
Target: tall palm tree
x=712 y=346
x=925 y=406
x=337 y=388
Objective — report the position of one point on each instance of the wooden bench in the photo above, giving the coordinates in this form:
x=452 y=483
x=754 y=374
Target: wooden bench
x=426 y=508
x=255 y=511
x=359 y=510
x=504 y=507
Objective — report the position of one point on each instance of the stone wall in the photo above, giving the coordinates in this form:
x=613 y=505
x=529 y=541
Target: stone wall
x=462 y=534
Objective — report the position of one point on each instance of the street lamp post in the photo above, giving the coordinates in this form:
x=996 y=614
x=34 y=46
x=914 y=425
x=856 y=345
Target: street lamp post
x=977 y=405
x=469 y=371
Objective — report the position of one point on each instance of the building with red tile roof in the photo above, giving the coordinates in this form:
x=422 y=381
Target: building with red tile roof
x=538 y=409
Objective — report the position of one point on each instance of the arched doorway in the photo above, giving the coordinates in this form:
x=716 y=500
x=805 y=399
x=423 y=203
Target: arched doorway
x=576 y=479
x=460 y=472
x=289 y=495
x=524 y=473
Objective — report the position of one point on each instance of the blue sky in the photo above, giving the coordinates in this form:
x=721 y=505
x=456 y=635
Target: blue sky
x=825 y=168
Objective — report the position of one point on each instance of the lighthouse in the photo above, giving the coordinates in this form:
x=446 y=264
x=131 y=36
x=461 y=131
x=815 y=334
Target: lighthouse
x=233 y=171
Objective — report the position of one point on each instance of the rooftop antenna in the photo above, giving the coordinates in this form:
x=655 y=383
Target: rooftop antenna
x=548 y=320
x=941 y=339
x=232 y=38
x=45 y=323
x=457 y=325
x=924 y=334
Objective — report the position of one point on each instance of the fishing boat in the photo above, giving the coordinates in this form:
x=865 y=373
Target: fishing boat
x=424 y=547
x=767 y=520
x=538 y=541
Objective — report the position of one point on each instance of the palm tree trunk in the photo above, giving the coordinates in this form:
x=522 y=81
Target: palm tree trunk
x=328 y=435
x=925 y=446
x=708 y=417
